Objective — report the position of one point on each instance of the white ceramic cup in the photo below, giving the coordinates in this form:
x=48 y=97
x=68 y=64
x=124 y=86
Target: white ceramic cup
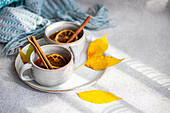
x=48 y=77
x=76 y=46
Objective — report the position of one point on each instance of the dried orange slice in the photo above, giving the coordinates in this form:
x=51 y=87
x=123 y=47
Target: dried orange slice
x=64 y=35
x=56 y=60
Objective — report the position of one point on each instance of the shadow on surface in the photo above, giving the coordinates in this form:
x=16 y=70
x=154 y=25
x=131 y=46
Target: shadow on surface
x=123 y=105
x=146 y=78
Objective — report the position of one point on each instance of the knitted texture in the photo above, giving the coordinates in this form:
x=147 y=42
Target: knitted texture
x=67 y=10
x=17 y=23
x=34 y=5
x=6 y=2
x=13 y=3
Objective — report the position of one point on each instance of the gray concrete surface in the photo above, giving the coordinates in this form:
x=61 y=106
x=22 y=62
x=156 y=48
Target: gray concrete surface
x=140 y=33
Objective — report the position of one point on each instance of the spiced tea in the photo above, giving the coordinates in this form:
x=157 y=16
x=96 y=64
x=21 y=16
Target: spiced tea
x=59 y=57
x=63 y=36
x=56 y=60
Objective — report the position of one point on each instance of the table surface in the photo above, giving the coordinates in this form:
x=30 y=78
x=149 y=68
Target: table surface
x=140 y=34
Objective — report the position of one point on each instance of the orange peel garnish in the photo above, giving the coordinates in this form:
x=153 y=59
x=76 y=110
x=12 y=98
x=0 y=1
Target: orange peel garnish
x=64 y=35
x=56 y=60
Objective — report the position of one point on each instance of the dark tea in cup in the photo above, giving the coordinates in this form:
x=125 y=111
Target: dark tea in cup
x=63 y=36
x=56 y=60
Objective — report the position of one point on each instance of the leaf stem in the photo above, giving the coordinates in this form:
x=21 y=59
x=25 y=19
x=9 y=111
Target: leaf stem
x=78 y=67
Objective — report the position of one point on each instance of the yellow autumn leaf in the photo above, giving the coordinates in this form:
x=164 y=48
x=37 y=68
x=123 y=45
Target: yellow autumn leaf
x=98 y=96
x=23 y=56
x=28 y=53
x=98 y=47
x=26 y=58
x=101 y=62
x=96 y=60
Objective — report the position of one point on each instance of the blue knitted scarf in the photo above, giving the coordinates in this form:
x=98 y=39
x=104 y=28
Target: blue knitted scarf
x=24 y=18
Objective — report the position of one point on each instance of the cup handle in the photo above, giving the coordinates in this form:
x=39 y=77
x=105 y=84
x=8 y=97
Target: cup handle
x=76 y=53
x=23 y=69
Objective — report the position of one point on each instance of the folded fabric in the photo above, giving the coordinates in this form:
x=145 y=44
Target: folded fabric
x=33 y=16
x=59 y=10
x=18 y=23
x=4 y=3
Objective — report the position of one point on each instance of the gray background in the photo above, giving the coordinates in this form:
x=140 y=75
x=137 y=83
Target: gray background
x=140 y=33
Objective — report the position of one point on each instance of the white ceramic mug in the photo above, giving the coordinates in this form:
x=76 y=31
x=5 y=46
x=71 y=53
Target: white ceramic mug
x=76 y=46
x=47 y=77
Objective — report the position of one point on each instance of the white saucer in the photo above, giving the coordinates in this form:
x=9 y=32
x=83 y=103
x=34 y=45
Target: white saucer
x=82 y=77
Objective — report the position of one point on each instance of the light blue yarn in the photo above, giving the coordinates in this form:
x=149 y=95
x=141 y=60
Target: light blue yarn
x=25 y=18
x=67 y=10
x=12 y=3
x=27 y=24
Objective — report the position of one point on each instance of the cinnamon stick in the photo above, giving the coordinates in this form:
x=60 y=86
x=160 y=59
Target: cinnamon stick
x=39 y=54
x=42 y=53
x=79 y=29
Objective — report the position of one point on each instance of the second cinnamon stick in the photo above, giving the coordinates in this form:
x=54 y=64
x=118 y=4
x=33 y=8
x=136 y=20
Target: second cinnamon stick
x=79 y=29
